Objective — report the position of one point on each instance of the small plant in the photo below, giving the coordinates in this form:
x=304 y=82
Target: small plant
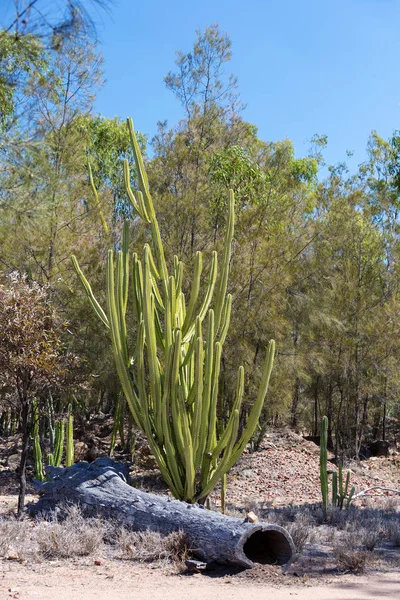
x=73 y=536
x=341 y=497
x=350 y=559
x=301 y=532
x=148 y=546
x=369 y=538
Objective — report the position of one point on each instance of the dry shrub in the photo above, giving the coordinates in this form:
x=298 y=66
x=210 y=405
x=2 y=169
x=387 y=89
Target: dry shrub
x=14 y=538
x=148 y=546
x=349 y=557
x=393 y=532
x=301 y=532
x=73 y=536
x=351 y=560
x=369 y=538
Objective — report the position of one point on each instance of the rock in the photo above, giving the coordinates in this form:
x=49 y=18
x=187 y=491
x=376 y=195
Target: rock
x=251 y=517
x=249 y=473
x=13 y=461
x=81 y=450
x=196 y=566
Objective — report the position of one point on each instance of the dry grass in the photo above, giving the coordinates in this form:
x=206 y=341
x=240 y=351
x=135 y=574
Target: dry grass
x=73 y=536
x=15 y=538
x=149 y=546
x=349 y=557
x=301 y=532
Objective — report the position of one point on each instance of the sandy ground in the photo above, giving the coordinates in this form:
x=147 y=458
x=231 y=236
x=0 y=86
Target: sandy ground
x=110 y=580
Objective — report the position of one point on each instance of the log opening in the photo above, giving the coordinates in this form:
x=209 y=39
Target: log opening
x=266 y=546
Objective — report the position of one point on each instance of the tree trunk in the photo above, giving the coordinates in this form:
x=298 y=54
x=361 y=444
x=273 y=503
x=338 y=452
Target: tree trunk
x=100 y=488
x=24 y=456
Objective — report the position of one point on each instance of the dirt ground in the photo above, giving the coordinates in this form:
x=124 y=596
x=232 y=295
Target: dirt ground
x=110 y=580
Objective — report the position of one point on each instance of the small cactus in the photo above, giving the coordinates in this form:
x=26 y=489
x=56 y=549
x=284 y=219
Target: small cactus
x=341 y=497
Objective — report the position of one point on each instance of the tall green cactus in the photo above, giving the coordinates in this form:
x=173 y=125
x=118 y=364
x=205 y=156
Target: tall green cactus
x=169 y=376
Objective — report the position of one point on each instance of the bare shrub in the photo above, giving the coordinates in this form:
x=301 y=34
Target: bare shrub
x=348 y=557
x=73 y=536
x=369 y=538
x=391 y=503
x=352 y=561
x=148 y=546
x=14 y=538
x=393 y=532
x=301 y=532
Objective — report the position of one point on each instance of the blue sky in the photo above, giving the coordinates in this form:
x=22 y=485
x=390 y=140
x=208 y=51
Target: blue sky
x=304 y=66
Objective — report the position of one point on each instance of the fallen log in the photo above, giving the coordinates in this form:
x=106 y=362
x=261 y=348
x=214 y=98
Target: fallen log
x=100 y=488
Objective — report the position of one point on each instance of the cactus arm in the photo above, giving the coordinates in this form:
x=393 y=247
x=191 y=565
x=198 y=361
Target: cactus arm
x=125 y=265
x=207 y=298
x=196 y=423
x=225 y=319
x=148 y=425
x=323 y=460
x=255 y=412
x=137 y=286
x=212 y=432
x=194 y=293
x=144 y=188
x=334 y=489
x=88 y=289
x=177 y=416
x=97 y=203
x=154 y=370
x=223 y=493
x=171 y=450
x=138 y=205
x=208 y=379
x=121 y=365
x=223 y=282
x=120 y=305
x=69 y=445
x=224 y=463
x=225 y=437
x=347 y=483
x=59 y=443
x=340 y=478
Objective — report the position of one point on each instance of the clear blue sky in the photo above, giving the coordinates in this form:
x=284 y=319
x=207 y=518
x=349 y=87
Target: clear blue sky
x=304 y=66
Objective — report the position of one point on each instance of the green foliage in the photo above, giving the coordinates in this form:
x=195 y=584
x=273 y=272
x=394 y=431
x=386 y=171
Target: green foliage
x=20 y=56
x=171 y=380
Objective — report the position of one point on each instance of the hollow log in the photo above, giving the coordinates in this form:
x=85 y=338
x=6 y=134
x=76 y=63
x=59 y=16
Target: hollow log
x=101 y=488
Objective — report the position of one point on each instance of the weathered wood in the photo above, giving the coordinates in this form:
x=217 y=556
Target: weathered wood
x=101 y=488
